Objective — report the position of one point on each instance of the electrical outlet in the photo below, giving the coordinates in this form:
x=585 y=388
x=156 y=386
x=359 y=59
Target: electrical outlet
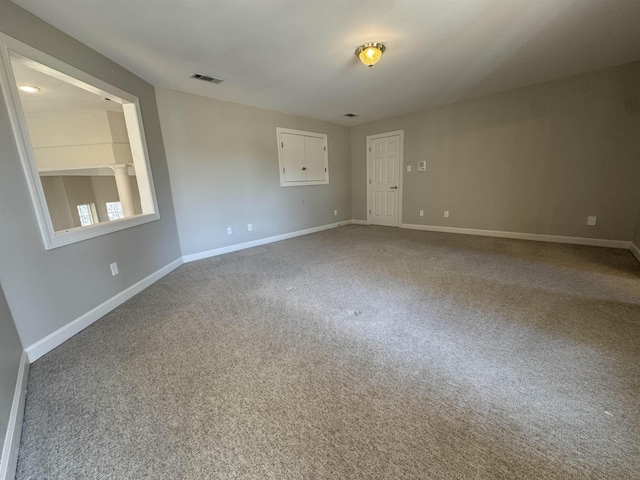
x=335 y=212
x=408 y=168
x=446 y=214
x=422 y=213
x=249 y=227
x=229 y=231
x=591 y=221
x=114 y=269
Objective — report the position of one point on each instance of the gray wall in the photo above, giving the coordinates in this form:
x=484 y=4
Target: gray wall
x=47 y=289
x=535 y=160
x=10 y=353
x=57 y=202
x=106 y=190
x=636 y=237
x=79 y=191
x=223 y=161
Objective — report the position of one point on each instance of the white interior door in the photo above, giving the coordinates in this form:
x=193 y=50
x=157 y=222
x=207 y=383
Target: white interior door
x=384 y=164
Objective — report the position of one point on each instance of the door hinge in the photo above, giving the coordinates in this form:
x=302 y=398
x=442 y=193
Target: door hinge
x=282 y=144
x=369 y=149
x=282 y=169
x=325 y=149
x=369 y=181
x=325 y=170
x=369 y=212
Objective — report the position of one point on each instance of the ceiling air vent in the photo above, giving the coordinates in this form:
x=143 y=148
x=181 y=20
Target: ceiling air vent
x=350 y=115
x=206 y=78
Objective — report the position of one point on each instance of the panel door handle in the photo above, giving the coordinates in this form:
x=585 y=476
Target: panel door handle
x=395 y=187
x=304 y=168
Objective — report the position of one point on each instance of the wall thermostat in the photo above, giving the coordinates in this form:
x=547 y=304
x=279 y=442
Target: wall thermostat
x=422 y=166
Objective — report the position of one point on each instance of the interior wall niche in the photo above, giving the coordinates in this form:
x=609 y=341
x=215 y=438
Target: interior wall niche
x=303 y=157
x=82 y=146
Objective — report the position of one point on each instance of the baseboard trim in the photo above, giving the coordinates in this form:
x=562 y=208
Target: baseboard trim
x=9 y=458
x=595 y=242
x=262 y=241
x=51 y=341
x=635 y=250
x=359 y=222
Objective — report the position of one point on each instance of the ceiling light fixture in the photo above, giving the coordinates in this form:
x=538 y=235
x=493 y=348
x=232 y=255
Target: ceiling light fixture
x=29 y=88
x=370 y=53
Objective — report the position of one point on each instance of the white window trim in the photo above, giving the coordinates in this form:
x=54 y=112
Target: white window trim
x=285 y=183
x=91 y=208
x=51 y=238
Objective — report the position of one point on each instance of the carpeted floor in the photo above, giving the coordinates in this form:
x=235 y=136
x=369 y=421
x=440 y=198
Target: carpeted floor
x=354 y=353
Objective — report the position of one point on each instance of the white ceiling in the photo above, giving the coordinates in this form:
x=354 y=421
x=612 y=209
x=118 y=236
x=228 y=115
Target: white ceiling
x=297 y=56
x=56 y=97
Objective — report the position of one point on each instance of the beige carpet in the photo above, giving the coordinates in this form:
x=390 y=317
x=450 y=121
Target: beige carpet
x=354 y=353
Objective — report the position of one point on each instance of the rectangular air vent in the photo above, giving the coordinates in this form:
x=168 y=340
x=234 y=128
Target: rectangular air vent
x=206 y=78
x=350 y=115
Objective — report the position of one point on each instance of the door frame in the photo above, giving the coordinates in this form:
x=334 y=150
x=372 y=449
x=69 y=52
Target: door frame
x=400 y=172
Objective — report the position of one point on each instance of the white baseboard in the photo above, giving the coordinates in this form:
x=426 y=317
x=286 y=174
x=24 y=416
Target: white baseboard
x=595 y=242
x=63 y=334
x=9 y=458
x=262 y=241
x=635 y=250
x=359 y=222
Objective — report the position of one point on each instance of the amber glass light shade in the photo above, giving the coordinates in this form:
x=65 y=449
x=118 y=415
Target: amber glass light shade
x=370 y=53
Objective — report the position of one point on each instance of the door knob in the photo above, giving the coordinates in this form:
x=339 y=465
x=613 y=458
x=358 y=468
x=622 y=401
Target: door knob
x=395 y=187
x=304 y=168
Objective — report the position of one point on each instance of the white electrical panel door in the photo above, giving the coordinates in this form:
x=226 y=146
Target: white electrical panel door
x=303 y=158
x=315 y=159
x=293 y=158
